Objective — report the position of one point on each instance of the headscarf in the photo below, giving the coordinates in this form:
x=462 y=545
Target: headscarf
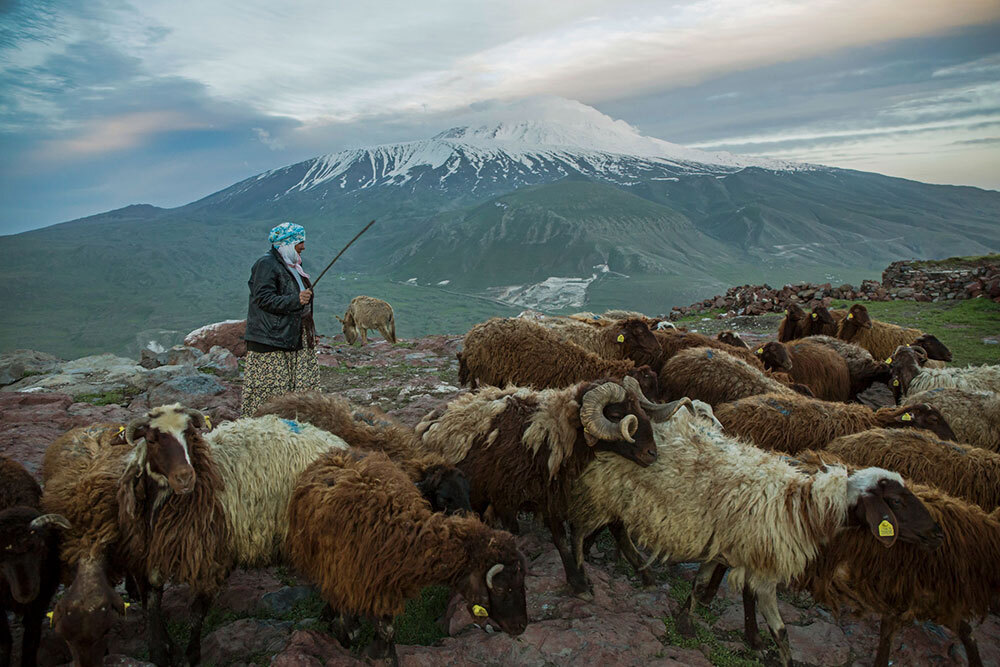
x=284 y=238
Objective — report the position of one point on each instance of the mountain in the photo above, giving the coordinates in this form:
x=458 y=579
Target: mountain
x=559 y=213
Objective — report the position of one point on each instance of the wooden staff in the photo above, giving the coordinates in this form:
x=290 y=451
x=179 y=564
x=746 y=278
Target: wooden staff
x=342 y=252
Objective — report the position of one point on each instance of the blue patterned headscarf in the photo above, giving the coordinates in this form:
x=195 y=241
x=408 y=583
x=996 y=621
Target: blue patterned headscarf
x=287 y=233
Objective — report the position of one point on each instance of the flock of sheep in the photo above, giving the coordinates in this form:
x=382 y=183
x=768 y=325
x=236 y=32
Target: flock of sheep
x=685 y=447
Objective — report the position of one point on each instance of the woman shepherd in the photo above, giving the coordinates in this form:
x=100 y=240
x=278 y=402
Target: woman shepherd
x=280 y=334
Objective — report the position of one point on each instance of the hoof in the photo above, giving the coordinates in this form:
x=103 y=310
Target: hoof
x=586 y=596
x=684 y=625
x=756 y=642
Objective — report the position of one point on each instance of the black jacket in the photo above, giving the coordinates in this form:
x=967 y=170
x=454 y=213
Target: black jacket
x=274 y=315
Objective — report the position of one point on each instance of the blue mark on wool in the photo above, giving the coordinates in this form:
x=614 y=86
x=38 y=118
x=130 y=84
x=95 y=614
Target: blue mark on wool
x=708 y=353
x=293 y=426
x=777 y=406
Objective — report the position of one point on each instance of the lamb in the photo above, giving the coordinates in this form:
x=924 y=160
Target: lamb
x=521 y=352
x=674 y=341
x=909 y=378
x=29 y=561
x=950 y=585
x=974 y=416
x=219 y=500
x=364 y=313
x=523 y=448
x=443 y=485
x=618 y=339
x=879 y=338
x=794 y=323
x=714 y=376
x=861 y=367
x=790 y=423
x=360 y=530
x=709 y=497
x=813 y=364
x=969 y=473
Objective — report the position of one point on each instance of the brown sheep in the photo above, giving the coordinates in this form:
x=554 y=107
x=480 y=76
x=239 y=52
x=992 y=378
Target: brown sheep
x=879 y=338
x=908 y=377
x=730 y=337
x=714 y=376
x=792 y=423
x=370 y=429
x=951 y=585
x=19 y=487
x=673 y=341
x=616 y=339
x=861 y=367
x=794 y=324
x=969 y=473
x=813 y=364
x=823 y=322
x=364 y=313
x=522 y=448
x=974 y=416
x=360 y=530
x=515 y=351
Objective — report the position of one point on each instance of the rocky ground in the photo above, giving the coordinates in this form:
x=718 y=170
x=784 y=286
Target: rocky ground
x=271 y=616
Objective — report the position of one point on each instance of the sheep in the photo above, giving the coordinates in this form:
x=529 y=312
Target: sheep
x=219 y=501
x=730 y=337
x=969 y=473
x=713 y=376
x=937 y=352
x=29 y=559
x=861 y=367
x=674 y=341
x=523 y=448
x=950 y=585
x=823 y=322
x=443 y=485
x=908 y=378
x=879 y=338
x=712 y=498
x=364 y=313
x=974 y=416
x=789 y=423
x=628 y=338
x=521 y=352
x=813 y=364
x=360 y=530
x=794 y=323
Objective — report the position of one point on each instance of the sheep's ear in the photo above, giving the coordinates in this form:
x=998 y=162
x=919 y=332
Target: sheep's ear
x=879 y=519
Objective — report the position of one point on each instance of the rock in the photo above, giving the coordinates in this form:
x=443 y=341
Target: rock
x=149 y=359
x=182 y=355
x=308 y=648
x=184 y=389
x=905 y=292
x=220 y=359
x=29 y=422
x=20 y=363
x=819 y=643
x=228 y=334
x=118 y=660
x=90 y=375
x=245 y=588
x=244 y=639
x=283 y=600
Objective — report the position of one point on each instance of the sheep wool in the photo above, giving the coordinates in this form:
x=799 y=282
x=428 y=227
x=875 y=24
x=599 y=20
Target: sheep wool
x=973 y=415
x=714 y=376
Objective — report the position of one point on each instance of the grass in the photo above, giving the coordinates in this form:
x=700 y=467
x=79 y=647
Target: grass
x=961 y=325
x=115 y=396
x=956 y=262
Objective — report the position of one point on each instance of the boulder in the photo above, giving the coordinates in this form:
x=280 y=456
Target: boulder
x=221 y=360
x=20 y=363
x=283 y=600
x=188 y=390
x=243 y=639
x=228 y=334
x=819 y=643
x=90 y=375
x=308 y=648
x=183 y=355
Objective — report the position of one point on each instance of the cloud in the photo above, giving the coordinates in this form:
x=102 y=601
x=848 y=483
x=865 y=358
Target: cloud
x=265 y=138
x=117 y=133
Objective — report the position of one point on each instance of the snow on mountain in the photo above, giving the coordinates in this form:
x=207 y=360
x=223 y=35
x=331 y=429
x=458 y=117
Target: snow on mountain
x=520 y=152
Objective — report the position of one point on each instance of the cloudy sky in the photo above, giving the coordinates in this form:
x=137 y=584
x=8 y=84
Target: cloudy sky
x=106 y=103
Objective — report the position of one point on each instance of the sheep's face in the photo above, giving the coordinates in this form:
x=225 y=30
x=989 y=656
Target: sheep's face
x=83 y=616
x=858 y=318
x=878 y=500
x=774 y=356
x=25 y=540
x=446 y=488
x=498 y=593
x=922 y=415
x=794 y=312
x=648 y=381
x=819 y=318
x=347 y=326
x=731 y=338
x=639 y=343
x=934 y=348
x=643 y=451
x=904 y=365
x=168 y=430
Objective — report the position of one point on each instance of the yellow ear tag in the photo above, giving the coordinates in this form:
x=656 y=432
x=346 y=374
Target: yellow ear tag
x=885 y=529
x=480 y=611
x=815 y=316
x=127 y=605
x=850 y=316
x=208 y=423
x=51 y=618
x=760 y=350
x=121 y=429
x=895 y=383
x=888 y=360
x=907 y=417
x=621 y=338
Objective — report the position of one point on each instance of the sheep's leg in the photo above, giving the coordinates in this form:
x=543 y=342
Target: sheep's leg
x=768 y=598
x=887 y=630
x=384 y=644
x=751 y=633
x=712 y=589
x=345 y=627
x=363 y=331
x=32 y=623
x=202 y=602
x=631 y=554
x=969 y=642
x=6 y=641
x=575 y=575
x=160 y=647
x=701 y=581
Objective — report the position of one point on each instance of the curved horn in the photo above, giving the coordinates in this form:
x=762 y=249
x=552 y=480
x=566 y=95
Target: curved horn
x=50 y=520
x=628 y=426
x=198 y=417
x=592 y=410
x=632 y=385
x=134 y=426
x=493 y=571
x=661 y=412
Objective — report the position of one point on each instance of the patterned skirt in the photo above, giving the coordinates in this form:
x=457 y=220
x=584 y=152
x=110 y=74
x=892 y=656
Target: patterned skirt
x=270 y=374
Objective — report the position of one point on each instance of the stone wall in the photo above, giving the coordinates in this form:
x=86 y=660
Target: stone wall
x=914 y=280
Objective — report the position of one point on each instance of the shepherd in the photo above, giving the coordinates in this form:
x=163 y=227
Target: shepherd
x=280 y=333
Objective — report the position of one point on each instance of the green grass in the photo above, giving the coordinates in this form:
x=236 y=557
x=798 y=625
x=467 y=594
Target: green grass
x=697 y=317
x=961 y=325
x=956 y=262
x=115 y=396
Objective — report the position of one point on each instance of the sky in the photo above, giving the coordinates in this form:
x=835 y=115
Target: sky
x=107 y=103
